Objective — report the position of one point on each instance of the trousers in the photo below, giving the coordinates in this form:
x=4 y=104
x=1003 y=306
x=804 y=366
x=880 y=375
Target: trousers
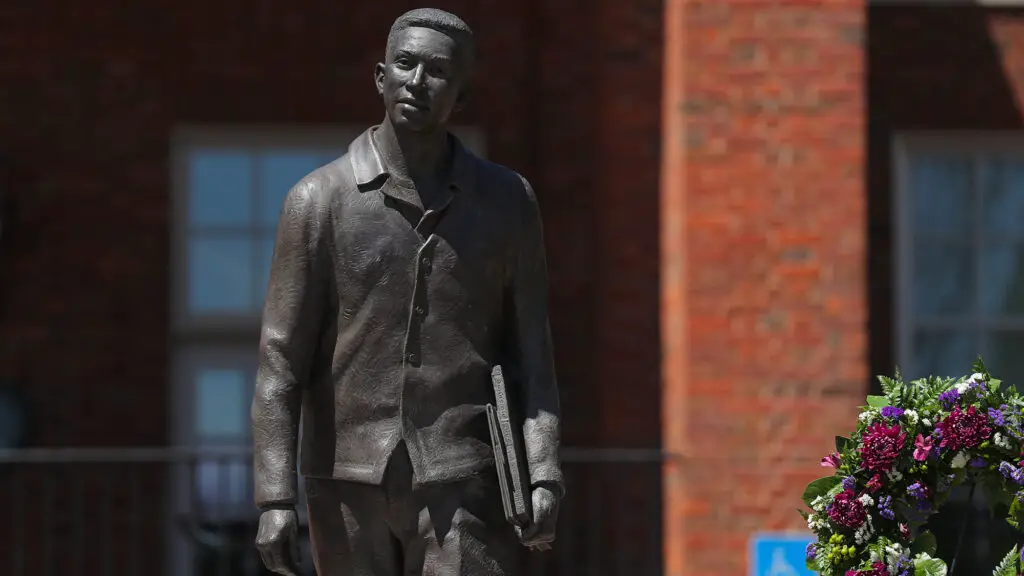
x=397 y=529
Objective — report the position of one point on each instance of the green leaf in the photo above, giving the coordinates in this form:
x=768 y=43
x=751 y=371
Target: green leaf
x=925 y=543
x=928 y=566
x=803 y=514
x=888 y=385
x=878 y=401
x=1008 y=566
x=994 y=384
x=820 y=487
x=979 y=365
x=843 y=444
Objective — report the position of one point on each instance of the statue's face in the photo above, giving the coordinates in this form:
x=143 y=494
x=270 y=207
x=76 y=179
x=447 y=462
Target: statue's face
x=421 y=79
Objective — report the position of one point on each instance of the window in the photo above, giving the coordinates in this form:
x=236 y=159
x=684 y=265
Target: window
x=960 y=273
x=961 y=255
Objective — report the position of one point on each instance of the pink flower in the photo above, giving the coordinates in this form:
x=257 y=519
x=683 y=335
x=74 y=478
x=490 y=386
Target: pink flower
x=924 y=447
x=874 y=484
x=831 y=461
x=846 y=510
x=905 y=531
x=963 y=429
x=881 y=446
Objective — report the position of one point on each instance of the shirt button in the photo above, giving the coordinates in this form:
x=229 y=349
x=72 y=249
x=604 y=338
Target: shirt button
x=425 y=261
x=413 y=357
x=420 y=310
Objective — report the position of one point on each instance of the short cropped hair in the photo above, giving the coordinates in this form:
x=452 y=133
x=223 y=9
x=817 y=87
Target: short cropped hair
x=444 y=22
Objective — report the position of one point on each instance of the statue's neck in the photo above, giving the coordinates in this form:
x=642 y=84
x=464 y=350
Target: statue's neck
x=412 y=155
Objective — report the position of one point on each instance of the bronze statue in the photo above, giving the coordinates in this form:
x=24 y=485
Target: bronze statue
x=403 y=273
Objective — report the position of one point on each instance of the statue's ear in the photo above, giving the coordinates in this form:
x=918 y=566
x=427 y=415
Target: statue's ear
x=378 y=77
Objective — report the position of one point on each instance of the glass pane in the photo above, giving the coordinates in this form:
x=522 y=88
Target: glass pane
x=220 y=188
x=1004 y=197
x=1003 y=274
x=220 y=275
x=279 y=171
x=942 y=353
x=941 y=193
x=222 y=405
x=225 y=485
x=1004 y=357
x=944 y=278
x=264 y=252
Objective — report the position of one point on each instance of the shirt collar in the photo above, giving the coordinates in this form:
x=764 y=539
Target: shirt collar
x=369 y=168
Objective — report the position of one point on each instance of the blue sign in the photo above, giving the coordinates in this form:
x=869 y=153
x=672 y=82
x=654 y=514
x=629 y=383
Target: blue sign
x=780 y=554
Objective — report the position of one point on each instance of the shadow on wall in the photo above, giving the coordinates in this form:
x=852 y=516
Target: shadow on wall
x=934 y=68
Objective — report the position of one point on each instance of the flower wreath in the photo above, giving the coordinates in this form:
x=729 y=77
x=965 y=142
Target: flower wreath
x=912 y=446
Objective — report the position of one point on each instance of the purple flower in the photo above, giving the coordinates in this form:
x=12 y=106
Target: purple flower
x=917 y=490
x=978 y=462
x=849 y=483
x=904 y=567
x=892 y=412
x=1011 y=472
x=811 y=552
x=1014 y=428
x=885 y=508
x=997 y=415
x=949 y=398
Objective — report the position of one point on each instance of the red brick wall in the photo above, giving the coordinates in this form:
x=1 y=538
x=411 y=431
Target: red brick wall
x=764 y=252
x=568 y=94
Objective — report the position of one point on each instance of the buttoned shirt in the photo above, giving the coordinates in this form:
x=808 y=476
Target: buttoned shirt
x=383 y=319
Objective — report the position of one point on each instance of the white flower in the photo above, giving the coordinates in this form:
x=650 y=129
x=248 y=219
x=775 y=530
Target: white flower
x=962 y=387
x=866 y=500
x=819 y=503
x=976 y=377
x=815 y=523
x=1002 y=441
x=894 y=475
x=867 y=417
x=960 y=460
x=926 y=422
x=864 y=533
x=911 y=417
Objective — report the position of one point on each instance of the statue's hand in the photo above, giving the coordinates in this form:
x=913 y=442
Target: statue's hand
x=541 y=532
x=278 y=541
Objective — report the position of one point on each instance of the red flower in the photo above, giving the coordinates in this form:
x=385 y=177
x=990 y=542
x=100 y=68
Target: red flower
x=881 y=446
x=963 y=429
x=905 y=531
x=846 y=510
x=875 y=484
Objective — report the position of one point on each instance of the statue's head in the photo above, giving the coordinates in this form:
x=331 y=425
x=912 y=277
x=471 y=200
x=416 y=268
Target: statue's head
x=426 y=70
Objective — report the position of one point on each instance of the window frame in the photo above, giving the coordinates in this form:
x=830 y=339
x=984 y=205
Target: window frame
x=904 y=146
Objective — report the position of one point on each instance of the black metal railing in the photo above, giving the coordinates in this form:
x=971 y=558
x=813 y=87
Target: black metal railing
x=176 y=512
